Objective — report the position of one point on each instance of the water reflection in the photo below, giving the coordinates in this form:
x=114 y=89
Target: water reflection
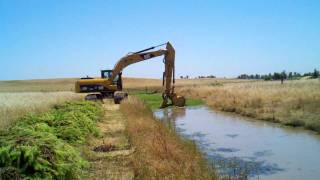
x=241 y=148
x=169 y=115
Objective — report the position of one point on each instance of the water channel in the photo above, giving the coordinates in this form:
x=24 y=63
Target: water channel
x=239 y=146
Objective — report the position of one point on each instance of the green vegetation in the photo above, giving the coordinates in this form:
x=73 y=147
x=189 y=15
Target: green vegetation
x=154 y=100
x=43 y=146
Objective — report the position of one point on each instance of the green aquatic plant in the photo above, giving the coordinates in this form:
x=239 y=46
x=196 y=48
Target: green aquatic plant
x=154 y=101
x=42 y=146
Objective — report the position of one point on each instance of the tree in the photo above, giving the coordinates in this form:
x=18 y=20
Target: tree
x=296 y=75
x=315 y=73
x=284 y=75
x=290 y=75
x=243 y=76
x=267 y=77
x=276 y=76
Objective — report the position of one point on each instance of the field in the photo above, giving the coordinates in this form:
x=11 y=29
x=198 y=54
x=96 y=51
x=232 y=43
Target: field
x=131 y=84
x=294 y=103
x=20 y=98
x=40 y=85
x=129 y=142
x=16 y=104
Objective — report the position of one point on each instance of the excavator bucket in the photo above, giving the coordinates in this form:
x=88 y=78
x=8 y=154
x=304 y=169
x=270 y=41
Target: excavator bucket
x=179 y=101
x=176 y=100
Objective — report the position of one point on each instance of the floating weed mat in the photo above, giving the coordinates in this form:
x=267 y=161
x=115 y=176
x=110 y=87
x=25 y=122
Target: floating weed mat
x=43 y=146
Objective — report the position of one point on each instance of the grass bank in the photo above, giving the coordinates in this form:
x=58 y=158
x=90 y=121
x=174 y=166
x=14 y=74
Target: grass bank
x=160 y=152
x=154 y=100
x=294 y=103
x=44 y=146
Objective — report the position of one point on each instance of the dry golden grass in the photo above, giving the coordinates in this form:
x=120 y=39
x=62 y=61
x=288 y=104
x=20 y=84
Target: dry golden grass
x=138 y=84
x=15 y=105
x=295 y=103
x=21 y=96
x=38 y=85
x=67 y=84
x=159 y=152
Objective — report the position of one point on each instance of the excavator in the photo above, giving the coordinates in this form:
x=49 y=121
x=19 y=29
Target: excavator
x=110 y=83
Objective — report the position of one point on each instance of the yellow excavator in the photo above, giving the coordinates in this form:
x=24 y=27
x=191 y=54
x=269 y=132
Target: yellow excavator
x=110 y=83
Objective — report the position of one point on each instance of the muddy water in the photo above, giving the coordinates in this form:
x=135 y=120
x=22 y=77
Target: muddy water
x=240 y=147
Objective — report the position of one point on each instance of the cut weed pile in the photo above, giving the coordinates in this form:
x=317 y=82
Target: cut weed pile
x=160 y=152
x=42 y=146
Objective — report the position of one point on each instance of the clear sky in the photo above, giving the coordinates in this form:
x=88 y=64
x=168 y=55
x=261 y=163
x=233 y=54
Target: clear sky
x=74 y=38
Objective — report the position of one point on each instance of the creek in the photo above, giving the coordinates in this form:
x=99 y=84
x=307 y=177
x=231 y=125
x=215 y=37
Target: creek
x=242 y=147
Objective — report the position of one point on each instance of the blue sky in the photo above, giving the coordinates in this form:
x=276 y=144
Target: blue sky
x=74 y=38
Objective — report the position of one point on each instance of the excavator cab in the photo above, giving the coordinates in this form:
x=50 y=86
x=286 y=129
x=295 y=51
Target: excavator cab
x=119 y=94
x=106 y=74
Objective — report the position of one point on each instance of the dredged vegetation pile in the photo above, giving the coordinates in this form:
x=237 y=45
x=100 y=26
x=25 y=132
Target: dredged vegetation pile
x=44 y=146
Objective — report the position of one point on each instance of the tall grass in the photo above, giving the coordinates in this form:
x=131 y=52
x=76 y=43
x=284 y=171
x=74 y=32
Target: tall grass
x=15 y=105
x=159 y=152
x=295 y=103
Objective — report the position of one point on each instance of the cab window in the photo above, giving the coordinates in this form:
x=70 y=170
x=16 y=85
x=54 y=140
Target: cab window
x=107 y=74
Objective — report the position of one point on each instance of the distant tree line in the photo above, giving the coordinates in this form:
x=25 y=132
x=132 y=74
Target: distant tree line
x=199 y=77
x=281 y=75
x=210 y=76
x=184 y=77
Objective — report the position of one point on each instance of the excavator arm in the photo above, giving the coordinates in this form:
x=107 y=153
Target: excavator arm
x=134 y=58
x=168 y=75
